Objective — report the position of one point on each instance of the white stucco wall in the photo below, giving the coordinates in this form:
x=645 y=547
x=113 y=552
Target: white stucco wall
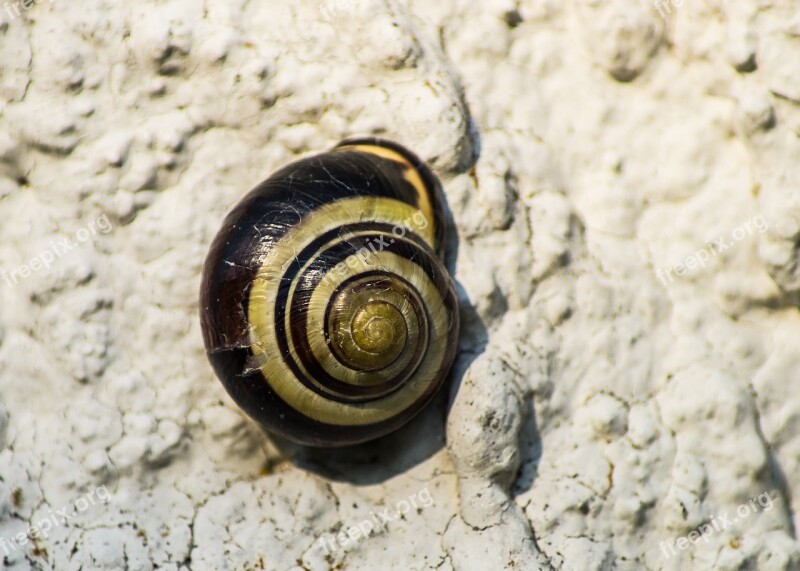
x=624 y=180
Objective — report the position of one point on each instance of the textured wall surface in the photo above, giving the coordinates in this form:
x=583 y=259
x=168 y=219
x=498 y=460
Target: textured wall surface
x=624 y=184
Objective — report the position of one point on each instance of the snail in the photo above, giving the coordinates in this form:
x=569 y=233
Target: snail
x=326 y=308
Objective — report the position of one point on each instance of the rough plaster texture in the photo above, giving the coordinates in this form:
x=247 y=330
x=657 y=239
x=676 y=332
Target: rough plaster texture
x=606 y=401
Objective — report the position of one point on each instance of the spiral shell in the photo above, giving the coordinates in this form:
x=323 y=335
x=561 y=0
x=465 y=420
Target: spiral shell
x=326 y=309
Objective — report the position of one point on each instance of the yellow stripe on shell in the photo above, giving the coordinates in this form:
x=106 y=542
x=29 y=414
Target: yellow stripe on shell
x=261 y=316
x=392 y=264
x=327 y=286
x=331 y=214
x=411 y=175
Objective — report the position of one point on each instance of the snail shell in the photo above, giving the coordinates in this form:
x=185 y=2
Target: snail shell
x=326 y=309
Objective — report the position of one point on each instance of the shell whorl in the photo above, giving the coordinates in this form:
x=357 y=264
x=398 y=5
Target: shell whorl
x=326 y=309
